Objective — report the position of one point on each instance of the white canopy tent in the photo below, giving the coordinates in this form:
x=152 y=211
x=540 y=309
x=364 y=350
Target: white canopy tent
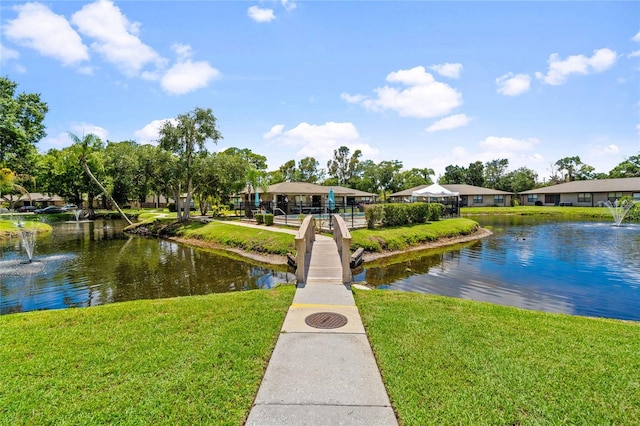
x=434 y=191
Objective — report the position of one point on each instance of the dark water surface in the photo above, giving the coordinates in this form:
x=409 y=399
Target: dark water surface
x=93 y=263
x=579 y=268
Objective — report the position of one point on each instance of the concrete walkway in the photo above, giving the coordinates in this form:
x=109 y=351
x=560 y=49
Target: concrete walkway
x=322 y=376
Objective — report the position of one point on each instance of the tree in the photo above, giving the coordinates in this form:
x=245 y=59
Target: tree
x=288 y=171
x=9 y=185
x=308 y=170
x=475 y=174
x=628 y=168
x=454 y=175
x=415 y=177
x=21 y=127
x=522 y=179
x=495 y=172
x=344 y=167
x=186 y=139
x=122 y=165
x=87 y=145
x=387 y=172
x=568 y=165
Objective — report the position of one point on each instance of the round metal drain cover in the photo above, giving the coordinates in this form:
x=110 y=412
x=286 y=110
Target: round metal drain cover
x=325 y=320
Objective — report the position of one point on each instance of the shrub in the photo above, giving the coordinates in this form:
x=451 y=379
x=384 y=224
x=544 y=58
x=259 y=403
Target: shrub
x=259 y=218
x=268 y=219
x=172 y=207
x=515 y=202
x=395 y=215
x=374 y=214
x=418 y=212
x=435 y=211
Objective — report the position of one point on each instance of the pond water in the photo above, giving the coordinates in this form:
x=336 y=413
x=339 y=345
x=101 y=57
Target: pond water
x=92 y=263
x=578 y=268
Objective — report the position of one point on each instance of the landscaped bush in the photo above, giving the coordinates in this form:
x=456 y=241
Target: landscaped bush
x=259 y=218
x=398 y=214
x=268 y=219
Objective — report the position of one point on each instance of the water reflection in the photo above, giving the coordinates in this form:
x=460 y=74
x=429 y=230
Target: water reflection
x=580 y=268
x=93 y=263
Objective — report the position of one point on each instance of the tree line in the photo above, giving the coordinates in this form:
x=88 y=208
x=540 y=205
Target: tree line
x=181 y=164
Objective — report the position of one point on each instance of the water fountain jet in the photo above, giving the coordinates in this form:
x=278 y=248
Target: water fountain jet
x=77 y=214
x=28 y=237
x=619 y=209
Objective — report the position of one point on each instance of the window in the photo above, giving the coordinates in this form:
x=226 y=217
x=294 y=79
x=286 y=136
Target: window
x=532 y=198
x=498 y=199
x=636 y=196
x=477 y=199
x=614 y=196
x=584 y=197
x=551 y=198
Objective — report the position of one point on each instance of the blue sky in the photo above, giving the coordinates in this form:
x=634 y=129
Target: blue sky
x=427 y=83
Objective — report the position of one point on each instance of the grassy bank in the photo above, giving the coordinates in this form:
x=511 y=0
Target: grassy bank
x=548 y=211
x=453 y=361
x=241 y=237
x=400 y=238
x=194 y=360
x=9 y=229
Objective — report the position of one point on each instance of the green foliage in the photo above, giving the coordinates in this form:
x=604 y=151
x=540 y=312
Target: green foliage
x=268 y=219
x=21 y=127
x=399 y=214
x=259 y=218
x=183 y=361
x=402 y=237
x=449 y=361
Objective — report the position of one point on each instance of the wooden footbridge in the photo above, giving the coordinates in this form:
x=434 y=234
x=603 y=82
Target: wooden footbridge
x=320 y=258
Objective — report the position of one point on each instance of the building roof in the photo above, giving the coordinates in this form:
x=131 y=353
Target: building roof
x=38 y=197
x=304 y=188
x=596 y=185
x=462 y=189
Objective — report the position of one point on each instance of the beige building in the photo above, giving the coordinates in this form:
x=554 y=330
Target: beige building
x=470 y=196
x=584 y=193
x=302 y=197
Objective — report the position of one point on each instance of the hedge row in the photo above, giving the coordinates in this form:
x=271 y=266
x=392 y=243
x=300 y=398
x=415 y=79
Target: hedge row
x=399 y=214
x=264 y=218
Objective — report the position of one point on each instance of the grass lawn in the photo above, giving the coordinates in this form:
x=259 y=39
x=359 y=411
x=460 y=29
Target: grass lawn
x=451 y=361
x=549 y=211
x=402 y=237
x=8 y=228
x=245 y=238
x=192 y=360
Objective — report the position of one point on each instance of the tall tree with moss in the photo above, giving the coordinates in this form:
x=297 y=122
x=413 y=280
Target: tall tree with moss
x=21 y=127
x=186 y=137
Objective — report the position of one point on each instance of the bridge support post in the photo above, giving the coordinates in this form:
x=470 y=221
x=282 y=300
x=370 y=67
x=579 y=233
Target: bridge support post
x=342 y=237
x=304 y=240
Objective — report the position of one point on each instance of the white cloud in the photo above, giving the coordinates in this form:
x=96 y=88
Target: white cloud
x=83 y=129
x=513 y=85
x=149 y=134
x=636 y=37
x=559 y=70
x=319 y=141
x=7 y=54
x=424 y=98
x=187 y=76
x=599 y=151
x=288 y=5
x=448 y=123
x=504 y=144
x=634 y=54
x=116 y=38
x=259 y=14
x=352 y=99
x=448 y=70
x=38 y=28
x=275 y=131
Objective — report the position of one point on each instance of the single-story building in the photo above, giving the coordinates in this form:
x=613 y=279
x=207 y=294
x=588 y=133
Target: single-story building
x=584 y=193
x=40 y=200
x=302 y=197
x=470 y=196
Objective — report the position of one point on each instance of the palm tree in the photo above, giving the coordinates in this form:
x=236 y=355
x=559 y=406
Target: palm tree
x=85 y=144
x=8 y=183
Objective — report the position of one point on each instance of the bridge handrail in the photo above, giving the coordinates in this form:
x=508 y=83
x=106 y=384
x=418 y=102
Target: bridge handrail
x=304 y=239
x=342 y=237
